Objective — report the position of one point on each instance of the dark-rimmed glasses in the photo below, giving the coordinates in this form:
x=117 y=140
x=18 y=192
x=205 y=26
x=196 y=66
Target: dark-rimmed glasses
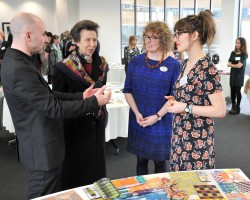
x=150 y=39
x=177 y=34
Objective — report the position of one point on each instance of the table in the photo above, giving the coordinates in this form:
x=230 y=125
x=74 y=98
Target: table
x=224 y=72
x=7 y=120
x=248 y=93
x=118 y=110
x=197 y=184
x=116 y=73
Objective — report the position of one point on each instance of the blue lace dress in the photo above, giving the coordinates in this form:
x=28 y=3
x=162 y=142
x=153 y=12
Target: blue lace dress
x=148 y=87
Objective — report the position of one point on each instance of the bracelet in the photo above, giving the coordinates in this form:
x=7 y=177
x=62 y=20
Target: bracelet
x=159 y=117
x=190 y=108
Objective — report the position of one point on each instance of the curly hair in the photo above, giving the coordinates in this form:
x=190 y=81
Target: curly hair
x=162 y=30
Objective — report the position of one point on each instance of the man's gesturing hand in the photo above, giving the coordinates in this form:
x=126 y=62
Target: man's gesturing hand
x=102 y=97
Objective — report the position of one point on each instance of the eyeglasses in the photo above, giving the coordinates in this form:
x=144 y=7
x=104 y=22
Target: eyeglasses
x=178 y=34
x=150 y=39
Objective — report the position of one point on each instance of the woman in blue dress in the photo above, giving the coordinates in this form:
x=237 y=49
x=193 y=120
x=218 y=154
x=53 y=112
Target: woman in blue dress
x=150 y=77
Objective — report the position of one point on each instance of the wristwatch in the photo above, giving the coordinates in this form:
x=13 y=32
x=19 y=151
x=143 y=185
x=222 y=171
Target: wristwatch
x=159 y=117
x=189 y=108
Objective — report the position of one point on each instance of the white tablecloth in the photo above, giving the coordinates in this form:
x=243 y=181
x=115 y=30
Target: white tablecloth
x=224 y=72
x=118 y=113
x=7 y=120
x=118 y=110
x=225 y=84
x=116 y=73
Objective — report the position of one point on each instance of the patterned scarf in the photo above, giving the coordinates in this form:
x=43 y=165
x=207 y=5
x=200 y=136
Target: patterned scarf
x=73 y=63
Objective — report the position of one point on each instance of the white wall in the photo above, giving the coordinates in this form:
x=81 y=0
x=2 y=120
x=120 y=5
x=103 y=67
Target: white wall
x=67 y=14
x=107 y=15
x=60 y=15
x=43 y=8
x=228 y=33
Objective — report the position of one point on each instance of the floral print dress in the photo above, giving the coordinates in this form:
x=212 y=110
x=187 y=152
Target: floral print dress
x=193 y=136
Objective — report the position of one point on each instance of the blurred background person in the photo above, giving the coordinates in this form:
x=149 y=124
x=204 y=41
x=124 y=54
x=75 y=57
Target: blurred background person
x=84 y=136
x=197 y=96
x=56 y=48
x=178 y=55
x=150 y=77
x=237 y=62
x=64 y=38
x=44 y=56
x=3 y=47
x=70 y=46
x=130 y=51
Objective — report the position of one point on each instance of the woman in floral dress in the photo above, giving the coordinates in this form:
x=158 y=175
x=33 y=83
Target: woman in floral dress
x=197 y=97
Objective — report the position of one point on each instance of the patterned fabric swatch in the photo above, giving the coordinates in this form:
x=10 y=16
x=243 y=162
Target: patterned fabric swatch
x=243 y=186
x=228 y=187
x=208 y=192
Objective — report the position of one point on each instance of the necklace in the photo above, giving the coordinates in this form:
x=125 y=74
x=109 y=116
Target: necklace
x=152 y=67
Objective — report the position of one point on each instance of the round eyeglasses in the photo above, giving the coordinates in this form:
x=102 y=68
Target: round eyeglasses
x=150 y=39
x=177 y=34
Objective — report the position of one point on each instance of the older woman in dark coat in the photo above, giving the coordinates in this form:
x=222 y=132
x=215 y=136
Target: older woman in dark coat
x=84 y=136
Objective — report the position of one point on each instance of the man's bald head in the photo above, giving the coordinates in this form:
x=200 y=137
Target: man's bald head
x=28 y=32
x=23 y=22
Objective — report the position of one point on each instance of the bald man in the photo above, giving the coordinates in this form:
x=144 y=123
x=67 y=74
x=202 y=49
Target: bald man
x=37 y=112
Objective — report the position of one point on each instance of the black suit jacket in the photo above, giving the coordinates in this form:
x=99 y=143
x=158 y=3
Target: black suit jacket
x=37 y=112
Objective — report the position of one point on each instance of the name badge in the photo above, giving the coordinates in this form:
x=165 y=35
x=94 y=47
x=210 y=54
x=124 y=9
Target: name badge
x=183 y=80
x=2 y=48
x=163 y=68
x=237 y=58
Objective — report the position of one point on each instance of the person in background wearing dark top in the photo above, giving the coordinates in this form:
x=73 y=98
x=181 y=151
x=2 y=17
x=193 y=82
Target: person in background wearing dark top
x=237 y=62
x=150 y=77
x=130 y=51
x=178 y=55
x=69 y=47
x=3 y=47
x=10 y=38
x=47 y=54
x=84 y=136
x=37 y=112
x=198 y=96
x=56 y=48
x=65 y=37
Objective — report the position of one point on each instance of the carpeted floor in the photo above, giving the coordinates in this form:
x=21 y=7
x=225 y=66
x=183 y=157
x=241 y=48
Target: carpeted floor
x=232 y=141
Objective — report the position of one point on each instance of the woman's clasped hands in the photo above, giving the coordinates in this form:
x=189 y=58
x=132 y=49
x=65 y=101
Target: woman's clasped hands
x=147 y=121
